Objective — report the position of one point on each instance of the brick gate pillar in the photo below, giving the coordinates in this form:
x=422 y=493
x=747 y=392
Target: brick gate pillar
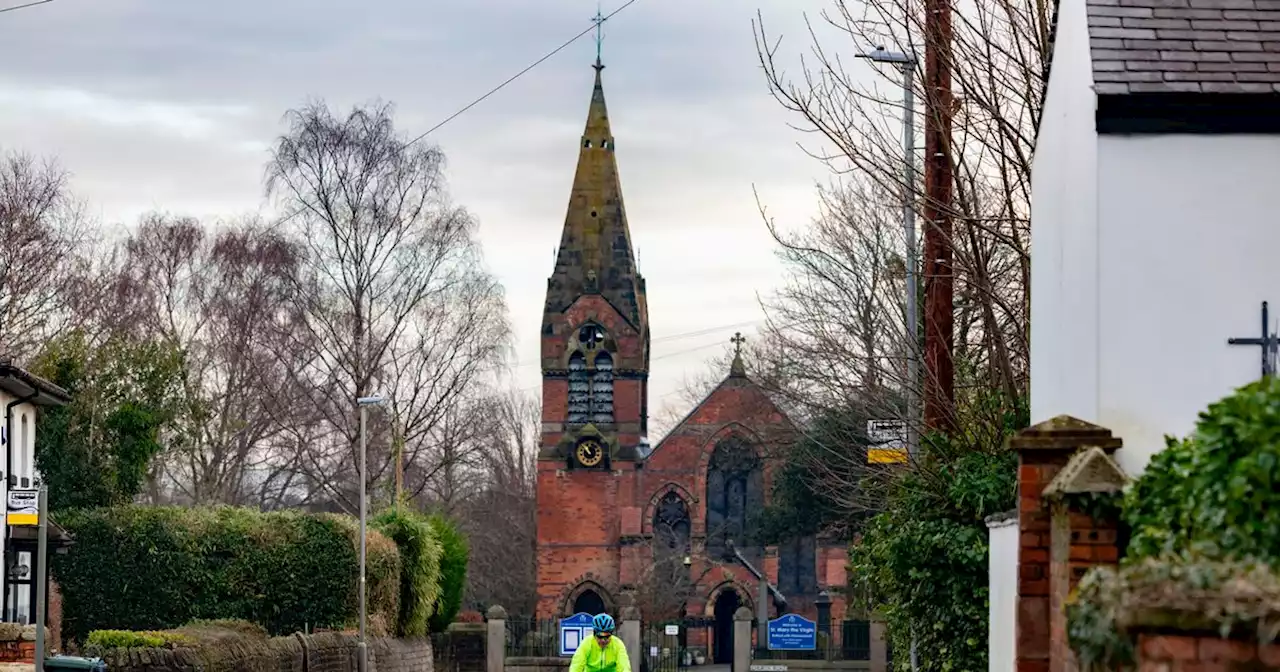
x=1043 y=450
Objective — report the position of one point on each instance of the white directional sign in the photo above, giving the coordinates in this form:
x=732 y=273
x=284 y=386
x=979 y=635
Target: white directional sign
x=888 y=440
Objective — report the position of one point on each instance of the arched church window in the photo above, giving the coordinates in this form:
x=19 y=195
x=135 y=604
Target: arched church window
x=579 y=389
x=671 y=525
x=735 y=489
x=602 y=390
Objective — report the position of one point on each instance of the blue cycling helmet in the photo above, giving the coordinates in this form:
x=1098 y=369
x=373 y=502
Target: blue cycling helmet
x=603 y=623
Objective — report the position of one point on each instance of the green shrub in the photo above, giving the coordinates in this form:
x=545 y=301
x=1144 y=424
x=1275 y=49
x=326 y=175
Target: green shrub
x=155 y=568
x=922 y=562
x=105 y=640
x=453 y=572
x=419 y=584
x=1215 y=492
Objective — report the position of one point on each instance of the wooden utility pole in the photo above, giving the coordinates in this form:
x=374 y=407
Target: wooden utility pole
x=939 y=277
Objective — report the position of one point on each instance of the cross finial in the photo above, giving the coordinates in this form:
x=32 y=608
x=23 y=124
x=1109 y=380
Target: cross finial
x=737 y=342
x=599 y=20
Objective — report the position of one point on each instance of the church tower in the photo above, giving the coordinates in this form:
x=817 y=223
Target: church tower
x=595 y=371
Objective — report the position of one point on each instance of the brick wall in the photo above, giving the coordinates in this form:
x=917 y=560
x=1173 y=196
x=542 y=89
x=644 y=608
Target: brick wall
x=1043 y=583
x=321 y=652
x=1204 y=653
x=17 y=652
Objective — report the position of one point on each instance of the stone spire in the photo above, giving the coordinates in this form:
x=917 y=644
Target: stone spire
x=595 y=255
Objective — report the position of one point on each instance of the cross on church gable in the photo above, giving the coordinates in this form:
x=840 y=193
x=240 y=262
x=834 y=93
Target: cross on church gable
x=1269 y=342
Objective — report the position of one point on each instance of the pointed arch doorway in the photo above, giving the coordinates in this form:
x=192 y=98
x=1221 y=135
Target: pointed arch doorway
x=588 y=602
x=727 y=603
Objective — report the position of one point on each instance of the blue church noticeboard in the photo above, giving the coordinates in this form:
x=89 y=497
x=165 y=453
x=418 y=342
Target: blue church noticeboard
x=792 y=632
x=573 y=631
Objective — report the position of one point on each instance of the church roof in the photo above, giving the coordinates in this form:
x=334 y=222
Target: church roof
x=1185 y=46
x=595 y=255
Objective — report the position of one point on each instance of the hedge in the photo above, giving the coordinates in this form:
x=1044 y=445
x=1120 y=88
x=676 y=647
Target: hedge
x=1214 y=492
x=453 y=571
x=420 y=553
x=157 y=568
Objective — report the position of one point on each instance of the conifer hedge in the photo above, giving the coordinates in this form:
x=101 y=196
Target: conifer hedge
x=155 y=568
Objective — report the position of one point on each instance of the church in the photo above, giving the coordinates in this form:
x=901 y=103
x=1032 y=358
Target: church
x=666 y=527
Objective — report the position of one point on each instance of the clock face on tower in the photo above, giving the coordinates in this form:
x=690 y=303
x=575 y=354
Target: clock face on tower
x=590 y=453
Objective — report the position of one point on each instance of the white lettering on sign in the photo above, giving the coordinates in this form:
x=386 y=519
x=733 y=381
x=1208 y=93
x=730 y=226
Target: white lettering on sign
x=673 y=630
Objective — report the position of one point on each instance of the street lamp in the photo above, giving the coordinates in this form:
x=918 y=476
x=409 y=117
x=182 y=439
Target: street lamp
x=907 y=63
x=362 y=660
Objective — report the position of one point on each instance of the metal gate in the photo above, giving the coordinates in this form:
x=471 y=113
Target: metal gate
x=660 y=651
x=677 y=645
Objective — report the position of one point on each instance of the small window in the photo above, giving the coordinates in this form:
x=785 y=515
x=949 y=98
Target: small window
x=594 y=213
x=579 y=390
x=24 y=449
x=586 y=142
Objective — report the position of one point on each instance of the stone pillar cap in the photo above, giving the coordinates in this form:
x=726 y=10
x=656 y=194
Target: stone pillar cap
x=496 y=613
x=743 y=614
x=1064 y=433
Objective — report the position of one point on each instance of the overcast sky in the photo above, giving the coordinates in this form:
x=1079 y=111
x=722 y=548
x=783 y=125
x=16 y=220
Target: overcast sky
x=171 y=105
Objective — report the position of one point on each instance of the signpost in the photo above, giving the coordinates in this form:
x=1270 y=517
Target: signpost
x=792 y=632
x=574 y=630
x=888 y=440
x=23 y=508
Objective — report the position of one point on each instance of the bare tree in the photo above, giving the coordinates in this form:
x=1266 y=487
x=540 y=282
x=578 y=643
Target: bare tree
x=499 y=518
x=44 y=236
x=395 y=298
x=999 y=58
x=223 y=297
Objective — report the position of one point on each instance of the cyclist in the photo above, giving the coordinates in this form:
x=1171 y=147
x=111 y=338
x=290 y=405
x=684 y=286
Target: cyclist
x=603 y=652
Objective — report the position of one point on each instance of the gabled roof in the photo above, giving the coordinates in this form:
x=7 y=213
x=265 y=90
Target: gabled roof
x=737 y=379
x=1185 y=46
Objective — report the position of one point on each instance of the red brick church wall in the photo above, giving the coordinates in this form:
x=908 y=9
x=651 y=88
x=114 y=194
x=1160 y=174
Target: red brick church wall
x=595 y=527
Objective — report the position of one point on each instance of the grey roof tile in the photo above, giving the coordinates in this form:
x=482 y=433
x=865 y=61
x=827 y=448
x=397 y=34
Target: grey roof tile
x=1209 y=46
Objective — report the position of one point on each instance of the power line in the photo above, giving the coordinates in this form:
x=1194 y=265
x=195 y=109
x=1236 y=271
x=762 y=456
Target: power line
x=29 y=4
x=671 y=337
x=594 y=23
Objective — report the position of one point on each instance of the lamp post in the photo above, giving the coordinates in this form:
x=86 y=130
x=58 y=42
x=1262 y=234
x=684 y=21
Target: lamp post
x=906 y=63
x=362 y=660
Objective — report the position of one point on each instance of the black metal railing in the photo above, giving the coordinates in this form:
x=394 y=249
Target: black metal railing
x=528 y=636
x=849 y=640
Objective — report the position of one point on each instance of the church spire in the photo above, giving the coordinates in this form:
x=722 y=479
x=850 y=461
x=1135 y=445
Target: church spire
x=595 y=255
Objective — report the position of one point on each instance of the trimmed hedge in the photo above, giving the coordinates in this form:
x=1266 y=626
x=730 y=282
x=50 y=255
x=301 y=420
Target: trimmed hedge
x=1214 y=492
x=453 y=571
x=420 y=552
x=157 y=568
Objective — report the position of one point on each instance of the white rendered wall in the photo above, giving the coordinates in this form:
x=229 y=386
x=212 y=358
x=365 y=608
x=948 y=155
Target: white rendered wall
x=1003 y=594
x=1063 y=232
x=1188 y=247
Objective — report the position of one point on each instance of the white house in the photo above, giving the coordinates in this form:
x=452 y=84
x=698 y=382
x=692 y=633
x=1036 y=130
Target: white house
x=1154 y=221
x=22 y=394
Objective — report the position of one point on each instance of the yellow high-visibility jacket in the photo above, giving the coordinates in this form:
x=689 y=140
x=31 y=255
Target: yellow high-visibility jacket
x=591 y=658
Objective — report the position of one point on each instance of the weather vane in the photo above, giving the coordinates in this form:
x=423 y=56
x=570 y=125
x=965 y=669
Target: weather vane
x=599 y=20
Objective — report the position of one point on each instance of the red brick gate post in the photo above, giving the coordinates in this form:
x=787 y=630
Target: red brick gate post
x=1043 y=451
